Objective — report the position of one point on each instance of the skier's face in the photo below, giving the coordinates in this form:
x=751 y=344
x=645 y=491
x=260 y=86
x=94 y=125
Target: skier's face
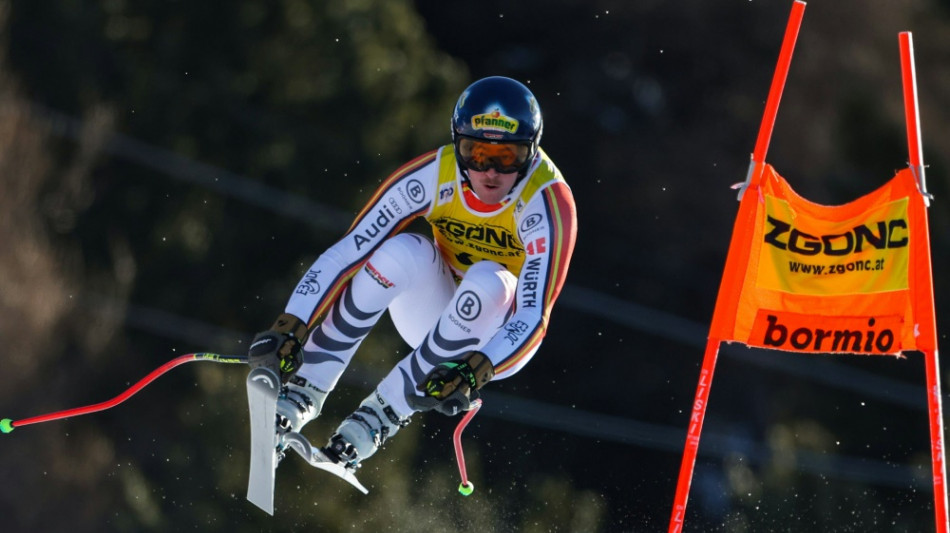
x=491 y=186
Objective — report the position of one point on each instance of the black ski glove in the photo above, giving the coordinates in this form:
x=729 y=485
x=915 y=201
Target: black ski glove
x=279 y=347
x=452 y=386
x=451 y=405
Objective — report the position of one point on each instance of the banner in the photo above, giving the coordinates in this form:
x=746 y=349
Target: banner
x=813 y=278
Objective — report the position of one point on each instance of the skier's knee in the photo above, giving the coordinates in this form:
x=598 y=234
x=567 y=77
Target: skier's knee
x=492 y=281
x=396 y=255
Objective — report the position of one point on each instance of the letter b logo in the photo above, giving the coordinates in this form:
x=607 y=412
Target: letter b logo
x=468 y=306
x=416 y=191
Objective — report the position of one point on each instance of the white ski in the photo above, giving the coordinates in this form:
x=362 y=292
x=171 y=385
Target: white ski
x=316 y=458
x=263 y=386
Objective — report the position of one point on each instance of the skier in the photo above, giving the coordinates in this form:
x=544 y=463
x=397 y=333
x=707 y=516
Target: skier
x=474 y=304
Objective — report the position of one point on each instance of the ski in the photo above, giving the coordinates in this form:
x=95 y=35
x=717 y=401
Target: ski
x=263 y=386
x=316 y=458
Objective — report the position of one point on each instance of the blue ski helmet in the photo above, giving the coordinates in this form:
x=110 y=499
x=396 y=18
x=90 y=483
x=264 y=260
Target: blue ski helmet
x=497 y=110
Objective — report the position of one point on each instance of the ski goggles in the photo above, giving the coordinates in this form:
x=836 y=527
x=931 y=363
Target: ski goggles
x=482 y=155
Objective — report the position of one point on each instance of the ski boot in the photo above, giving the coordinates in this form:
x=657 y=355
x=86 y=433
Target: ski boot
x=299 y=402
x=362 y=433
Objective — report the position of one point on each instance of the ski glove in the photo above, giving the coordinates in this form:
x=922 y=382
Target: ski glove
x=451 y=387
x=279 y=347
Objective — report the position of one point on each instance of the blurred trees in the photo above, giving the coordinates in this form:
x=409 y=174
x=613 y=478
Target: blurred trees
x=45 y=189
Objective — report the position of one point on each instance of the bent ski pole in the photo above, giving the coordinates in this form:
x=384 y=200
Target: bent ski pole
x=7 y=425
x=465 y=487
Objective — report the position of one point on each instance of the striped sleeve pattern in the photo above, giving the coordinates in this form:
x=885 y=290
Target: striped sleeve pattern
x=389 y=183
x=356 y=258
x=562 y=234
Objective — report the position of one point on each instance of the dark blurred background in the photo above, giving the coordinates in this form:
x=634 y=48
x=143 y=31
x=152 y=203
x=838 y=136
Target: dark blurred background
x=171 y=168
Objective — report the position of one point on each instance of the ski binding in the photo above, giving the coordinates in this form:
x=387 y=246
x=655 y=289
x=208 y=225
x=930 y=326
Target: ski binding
x=317 y=459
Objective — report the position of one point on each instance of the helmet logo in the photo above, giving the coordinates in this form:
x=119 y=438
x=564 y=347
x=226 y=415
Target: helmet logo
x=495 y=121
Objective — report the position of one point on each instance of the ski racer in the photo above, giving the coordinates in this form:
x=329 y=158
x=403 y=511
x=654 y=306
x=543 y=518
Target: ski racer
x=473 y=302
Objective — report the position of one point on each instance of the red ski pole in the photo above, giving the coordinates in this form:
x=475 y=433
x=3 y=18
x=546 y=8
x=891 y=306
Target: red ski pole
x=7 y=425
x=465 y=487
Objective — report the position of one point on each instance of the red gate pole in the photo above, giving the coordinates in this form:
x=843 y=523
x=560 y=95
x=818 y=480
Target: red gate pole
x=712 y=345
x=911 y=112
x=931 y=357
x=936 y=440
x=775 y=94
x=692 y=435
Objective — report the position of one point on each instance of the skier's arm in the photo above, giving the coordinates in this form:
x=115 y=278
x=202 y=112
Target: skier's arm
x=403 y=196
x=548 y=229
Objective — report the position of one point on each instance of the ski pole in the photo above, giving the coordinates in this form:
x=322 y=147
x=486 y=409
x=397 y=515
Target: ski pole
x=7 y=425
x=465 y=487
